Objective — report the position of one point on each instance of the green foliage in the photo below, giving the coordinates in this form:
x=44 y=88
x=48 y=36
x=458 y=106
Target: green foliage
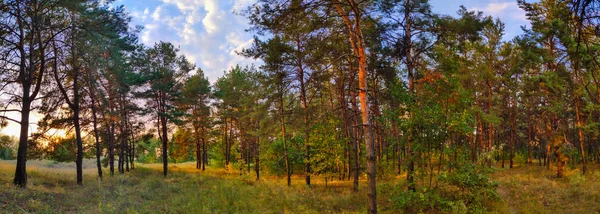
x=423 y=200
x=7 y=147
x=474 y=183
x=273 y=158
x=62 y=149
x=330 y=148
x=147 y=151
x=7 y=154
x=182 y=146
x=468 y=188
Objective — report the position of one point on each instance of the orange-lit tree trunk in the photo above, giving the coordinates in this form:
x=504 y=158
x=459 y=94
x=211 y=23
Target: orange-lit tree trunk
x=358 y=45
x=578 y=117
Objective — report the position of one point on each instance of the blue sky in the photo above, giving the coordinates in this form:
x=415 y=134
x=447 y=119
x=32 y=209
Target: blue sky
x=209 y=33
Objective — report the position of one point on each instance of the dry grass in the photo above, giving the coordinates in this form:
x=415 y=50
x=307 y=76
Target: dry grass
x=52 y=189
x=536 y=189
x=185 y=190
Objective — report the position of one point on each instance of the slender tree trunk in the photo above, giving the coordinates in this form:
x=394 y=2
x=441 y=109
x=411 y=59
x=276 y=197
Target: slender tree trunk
x=490 y=125
x=74 y=106
x=95 y=125
x=226 y=144
x=529 y=139
x=123 y=134
x=285 y=146
x=230 y=143
x=111 y=145
x=126 y=139
x=578 y=117
x=304 y=105
x=257 y=153
x=357 y=42
x=163 y=121
x=512 y=133
x=204 y=152
x=198 y=150
x=79 y=161
x=411 y=159
x=355 y=137
x=581 y=137
x=132 y=149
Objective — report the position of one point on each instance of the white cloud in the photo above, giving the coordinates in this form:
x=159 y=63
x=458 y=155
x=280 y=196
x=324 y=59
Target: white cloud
x=207 y=31
x=186 y=5
x=240 y=5
x=505 y=10
x=214 y=16
x=156 y=13
x=145 y=14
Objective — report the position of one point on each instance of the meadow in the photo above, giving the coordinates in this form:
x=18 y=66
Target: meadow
x=52 y=188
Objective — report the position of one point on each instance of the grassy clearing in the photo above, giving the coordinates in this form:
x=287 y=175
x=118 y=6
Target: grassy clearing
x=185 y=190
x=52 y=188
x=535 y=189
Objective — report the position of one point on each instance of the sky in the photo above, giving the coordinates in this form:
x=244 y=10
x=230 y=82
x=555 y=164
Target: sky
x=209 y=33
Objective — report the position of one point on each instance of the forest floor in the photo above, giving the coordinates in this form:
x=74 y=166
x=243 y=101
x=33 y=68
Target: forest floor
x=52 y=189
x=536 y=189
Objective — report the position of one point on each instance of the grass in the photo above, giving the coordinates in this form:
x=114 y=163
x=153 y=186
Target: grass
x=52 y=189
x=185 y=190
x=535 y=189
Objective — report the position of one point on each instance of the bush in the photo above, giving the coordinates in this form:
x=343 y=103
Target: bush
x=474 y=183
x=464 y=190
x=8 y=147
x=422 y=200
x=6 y=154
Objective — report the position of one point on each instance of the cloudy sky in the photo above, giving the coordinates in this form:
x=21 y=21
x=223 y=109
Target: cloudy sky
x=209 y=33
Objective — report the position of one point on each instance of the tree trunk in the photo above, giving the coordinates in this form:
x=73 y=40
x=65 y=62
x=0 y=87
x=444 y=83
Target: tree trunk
x=95 y=124
x=111 y=144
x=409 y=142
x=79 y=160
x=304 y=105
x=355 y=137
x=21 y=173
x=580 y=134
x=163 y=121
x=257 y=153
x=285 y=146
x=123 y=130
x=132 y=149
x=512 y=133
x=204 y=152
x=357 y=41
x=198 y=152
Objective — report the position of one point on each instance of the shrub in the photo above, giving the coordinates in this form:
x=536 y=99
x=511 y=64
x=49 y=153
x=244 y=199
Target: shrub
x=7 y=154
x=474 y=183
x=465 y=189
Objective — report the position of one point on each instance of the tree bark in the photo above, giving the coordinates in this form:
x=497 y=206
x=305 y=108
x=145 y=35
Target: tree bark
x=204 y=152
x=79 y=160
x=358 y=45
x=95 y=125
x=163 y=122
x=411 y=90
x=257 y=153
x=26 y=78
x=285 y=146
